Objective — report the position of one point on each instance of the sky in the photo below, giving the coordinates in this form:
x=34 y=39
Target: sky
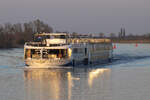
x=82 y=16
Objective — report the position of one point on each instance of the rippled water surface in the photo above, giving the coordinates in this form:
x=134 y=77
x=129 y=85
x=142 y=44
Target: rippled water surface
x=126 y=78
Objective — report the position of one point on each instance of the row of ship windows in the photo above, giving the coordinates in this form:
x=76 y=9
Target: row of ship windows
x=84 y=50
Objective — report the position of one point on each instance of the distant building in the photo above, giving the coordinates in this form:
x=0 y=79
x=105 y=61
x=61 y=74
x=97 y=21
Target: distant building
x=122 y=33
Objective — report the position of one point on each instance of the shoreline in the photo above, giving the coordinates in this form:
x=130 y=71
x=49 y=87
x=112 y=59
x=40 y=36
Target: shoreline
x=113 y=41
x=131 y=41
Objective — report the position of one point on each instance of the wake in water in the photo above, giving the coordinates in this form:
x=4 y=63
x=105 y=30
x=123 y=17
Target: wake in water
x=12 y=56
x=123 y=59
x=125 y=53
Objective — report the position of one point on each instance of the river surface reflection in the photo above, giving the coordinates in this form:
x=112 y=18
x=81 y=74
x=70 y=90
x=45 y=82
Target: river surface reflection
x=126 y=78
x=66 y=84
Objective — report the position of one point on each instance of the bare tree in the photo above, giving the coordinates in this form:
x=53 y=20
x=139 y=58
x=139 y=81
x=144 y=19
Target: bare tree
x=101 y=35
x=17 y=34
x=40 y=26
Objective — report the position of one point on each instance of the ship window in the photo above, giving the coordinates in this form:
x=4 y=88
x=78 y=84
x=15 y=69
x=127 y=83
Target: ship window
x=62 y=37
x=75 y=50
x=57 y=53
x=48 y=37
x=35 y=53
x=59 y=36
x=85 y=51
x=78 y=50
x=38 y=39
x=28 y=53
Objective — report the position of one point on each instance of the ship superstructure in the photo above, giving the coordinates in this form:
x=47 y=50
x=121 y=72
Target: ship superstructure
x=57 y=49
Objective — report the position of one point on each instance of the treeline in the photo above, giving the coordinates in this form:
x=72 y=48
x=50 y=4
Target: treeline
x=122 y=37
x=15 y=35
x=132 y=38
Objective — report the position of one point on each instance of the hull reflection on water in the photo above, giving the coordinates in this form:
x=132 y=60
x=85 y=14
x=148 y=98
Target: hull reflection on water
x=44 y=84
x=64 y=84
x=94 y=74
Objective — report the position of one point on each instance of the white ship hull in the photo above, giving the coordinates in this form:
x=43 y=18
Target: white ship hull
x=46 y=63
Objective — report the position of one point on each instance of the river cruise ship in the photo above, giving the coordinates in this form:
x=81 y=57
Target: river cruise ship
x=61 y=49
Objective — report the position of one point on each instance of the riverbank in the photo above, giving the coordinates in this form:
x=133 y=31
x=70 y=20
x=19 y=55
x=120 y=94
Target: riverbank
x=113 y=41
x=130 y=41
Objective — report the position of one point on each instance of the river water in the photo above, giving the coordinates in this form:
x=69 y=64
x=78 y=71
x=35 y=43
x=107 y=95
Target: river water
x=126 y=78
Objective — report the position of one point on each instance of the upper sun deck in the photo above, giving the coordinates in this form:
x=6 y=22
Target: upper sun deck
x=52 y=35
x=59 y=39
x=49 y=39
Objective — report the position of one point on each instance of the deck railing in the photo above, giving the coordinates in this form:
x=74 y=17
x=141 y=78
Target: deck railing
x=70 y=41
